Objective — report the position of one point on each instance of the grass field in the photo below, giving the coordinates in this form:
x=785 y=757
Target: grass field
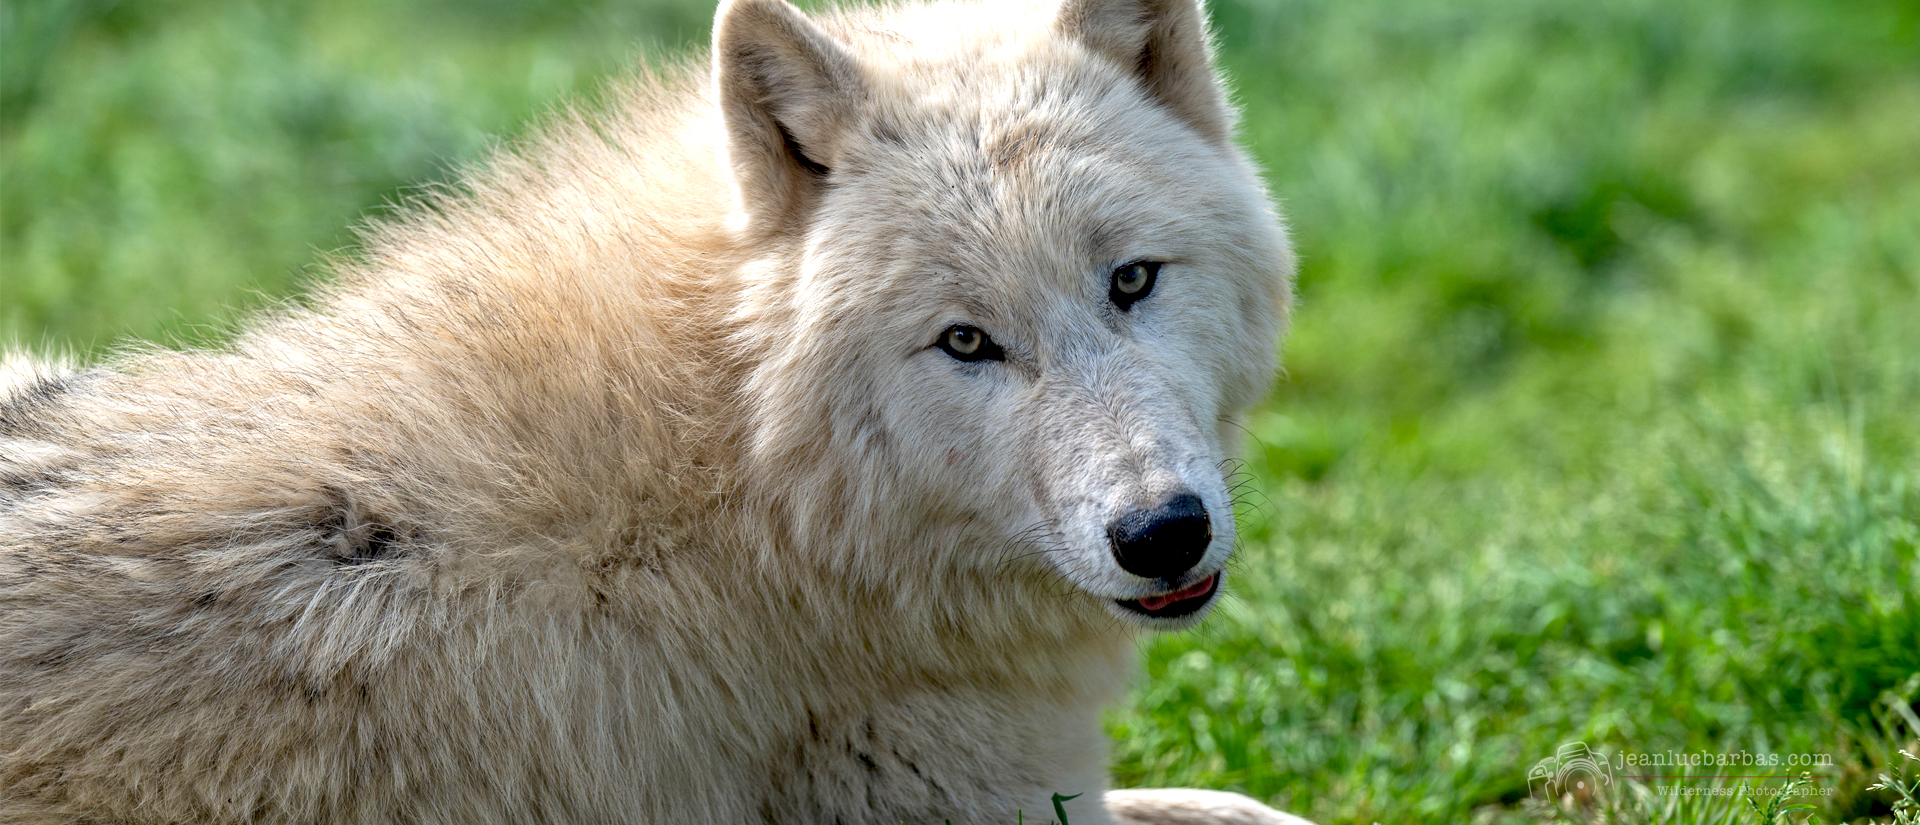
x=1601 y=416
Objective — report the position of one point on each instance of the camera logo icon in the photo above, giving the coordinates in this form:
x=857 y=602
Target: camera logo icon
x=1572 y=771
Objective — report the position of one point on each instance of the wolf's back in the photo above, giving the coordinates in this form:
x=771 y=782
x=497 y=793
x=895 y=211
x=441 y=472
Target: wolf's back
x=270 y=556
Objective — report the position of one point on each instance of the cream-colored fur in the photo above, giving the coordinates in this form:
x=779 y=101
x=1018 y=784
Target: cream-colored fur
x=629 y=483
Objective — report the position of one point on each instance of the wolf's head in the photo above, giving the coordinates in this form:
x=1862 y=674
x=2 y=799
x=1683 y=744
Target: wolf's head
x=1014 y=282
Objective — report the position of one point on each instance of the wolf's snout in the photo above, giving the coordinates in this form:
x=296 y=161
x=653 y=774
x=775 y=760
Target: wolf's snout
x=1164 y=541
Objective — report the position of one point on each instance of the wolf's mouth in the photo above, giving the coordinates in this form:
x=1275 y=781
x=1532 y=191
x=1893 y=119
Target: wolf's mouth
x=1182 y=602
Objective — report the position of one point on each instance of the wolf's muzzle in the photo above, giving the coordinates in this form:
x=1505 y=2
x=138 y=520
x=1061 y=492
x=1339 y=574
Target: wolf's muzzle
x=1162 y=542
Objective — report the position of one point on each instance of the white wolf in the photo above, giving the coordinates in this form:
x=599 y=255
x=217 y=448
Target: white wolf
x=804 y=440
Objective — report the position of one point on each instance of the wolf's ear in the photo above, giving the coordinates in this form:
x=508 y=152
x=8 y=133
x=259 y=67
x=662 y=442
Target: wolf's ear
x=1164 y=43
x=786 y=91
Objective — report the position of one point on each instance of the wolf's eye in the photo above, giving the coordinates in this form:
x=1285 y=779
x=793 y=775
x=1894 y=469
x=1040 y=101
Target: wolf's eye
x=970 y=344
x=1131 y=282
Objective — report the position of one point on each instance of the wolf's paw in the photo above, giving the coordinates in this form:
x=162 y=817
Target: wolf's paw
x=1185 y=806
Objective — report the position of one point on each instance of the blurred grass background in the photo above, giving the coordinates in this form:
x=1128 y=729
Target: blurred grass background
x=1601 y=411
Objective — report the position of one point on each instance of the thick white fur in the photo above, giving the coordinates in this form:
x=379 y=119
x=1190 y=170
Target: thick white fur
x=628 y=485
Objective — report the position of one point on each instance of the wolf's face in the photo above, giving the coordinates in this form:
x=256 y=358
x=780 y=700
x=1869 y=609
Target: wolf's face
x=1026 y=294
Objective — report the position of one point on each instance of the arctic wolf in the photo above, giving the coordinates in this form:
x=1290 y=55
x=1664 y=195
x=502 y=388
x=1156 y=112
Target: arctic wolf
x=804 y=440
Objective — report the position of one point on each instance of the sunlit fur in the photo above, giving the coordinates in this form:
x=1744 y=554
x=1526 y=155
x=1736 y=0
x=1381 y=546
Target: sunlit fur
x=626 y=483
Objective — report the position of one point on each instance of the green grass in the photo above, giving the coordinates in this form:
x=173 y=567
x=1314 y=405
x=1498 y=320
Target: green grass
x=1601 y=413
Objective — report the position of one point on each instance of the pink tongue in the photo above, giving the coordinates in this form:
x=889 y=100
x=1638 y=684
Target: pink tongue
x=1199 y=588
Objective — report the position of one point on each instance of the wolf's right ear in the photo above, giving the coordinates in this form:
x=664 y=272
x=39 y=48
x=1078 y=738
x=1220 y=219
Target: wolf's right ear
x=786 y=89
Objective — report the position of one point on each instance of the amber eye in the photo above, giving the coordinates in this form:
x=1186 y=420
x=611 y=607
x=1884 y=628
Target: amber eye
x=967 y=343
x=1131 y=282
x=964 y=340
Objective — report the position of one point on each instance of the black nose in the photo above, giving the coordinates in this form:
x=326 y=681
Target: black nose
x=1162 y=542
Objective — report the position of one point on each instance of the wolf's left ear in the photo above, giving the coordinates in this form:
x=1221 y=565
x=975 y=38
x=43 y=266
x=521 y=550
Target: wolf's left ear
x=787 y=90
x=1164 y=43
